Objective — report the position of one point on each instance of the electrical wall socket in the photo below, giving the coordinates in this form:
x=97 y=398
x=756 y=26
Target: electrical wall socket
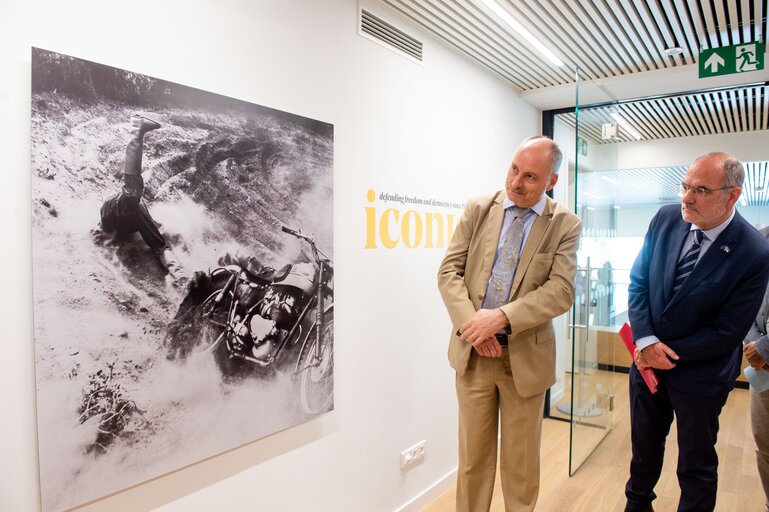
x=414 y=455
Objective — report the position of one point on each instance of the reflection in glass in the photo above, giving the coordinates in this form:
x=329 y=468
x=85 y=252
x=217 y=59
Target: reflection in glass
x=625 y=160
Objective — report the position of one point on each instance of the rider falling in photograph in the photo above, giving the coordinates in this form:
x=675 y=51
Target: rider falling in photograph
x=125 y=213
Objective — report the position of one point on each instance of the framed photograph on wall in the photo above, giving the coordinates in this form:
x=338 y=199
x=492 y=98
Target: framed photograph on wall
x=183 y=274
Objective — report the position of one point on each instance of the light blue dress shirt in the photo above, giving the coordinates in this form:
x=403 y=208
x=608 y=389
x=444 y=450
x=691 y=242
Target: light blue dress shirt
x=528 y=221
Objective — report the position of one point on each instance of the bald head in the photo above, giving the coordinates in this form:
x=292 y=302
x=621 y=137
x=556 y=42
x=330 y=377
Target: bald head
x=533 y=171
x=556 y=155
x=731 y=168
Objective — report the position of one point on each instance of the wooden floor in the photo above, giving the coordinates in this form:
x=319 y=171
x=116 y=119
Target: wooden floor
x=598 y=486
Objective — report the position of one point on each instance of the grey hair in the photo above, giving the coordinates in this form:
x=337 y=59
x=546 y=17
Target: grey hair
x=556 y=155
x=734 y=174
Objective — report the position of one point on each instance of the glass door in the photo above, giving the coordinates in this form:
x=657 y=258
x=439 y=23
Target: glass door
x=587 y=400
x=625 y=160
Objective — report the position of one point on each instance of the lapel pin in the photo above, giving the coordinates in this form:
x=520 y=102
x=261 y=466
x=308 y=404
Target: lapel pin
x=725 y=248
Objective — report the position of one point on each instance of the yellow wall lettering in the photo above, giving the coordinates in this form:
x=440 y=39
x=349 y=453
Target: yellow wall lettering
x=384 y=228
x=370 y=227
x=406 y=229
x=370 y=221
x=413 y=229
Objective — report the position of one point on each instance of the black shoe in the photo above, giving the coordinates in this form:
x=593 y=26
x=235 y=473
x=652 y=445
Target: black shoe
x=629 y=508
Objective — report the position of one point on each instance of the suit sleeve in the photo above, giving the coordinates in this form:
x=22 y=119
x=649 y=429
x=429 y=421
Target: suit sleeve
x=451 y=273
x=753 y=333
x=762 y=347
x=758 y=332
x=727 y=330
x=639 y=310
x=556 y=295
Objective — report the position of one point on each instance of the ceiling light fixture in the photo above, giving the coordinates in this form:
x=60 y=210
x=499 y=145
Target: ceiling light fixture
x=675 y=50
x=522 y=31
x=626 y=126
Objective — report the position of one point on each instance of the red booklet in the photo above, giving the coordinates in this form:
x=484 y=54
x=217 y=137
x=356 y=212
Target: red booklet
x=647 y=373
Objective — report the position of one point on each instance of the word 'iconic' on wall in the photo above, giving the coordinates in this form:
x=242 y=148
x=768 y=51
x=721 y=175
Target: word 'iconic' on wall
x=392 y=226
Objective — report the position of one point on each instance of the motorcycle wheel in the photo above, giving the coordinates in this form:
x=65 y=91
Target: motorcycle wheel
x=316 y=374
x=213 y=334
x=216 y=315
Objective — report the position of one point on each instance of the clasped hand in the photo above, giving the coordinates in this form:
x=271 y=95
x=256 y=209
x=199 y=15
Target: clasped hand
x=657 y=355
x=479 y=331
x=753 y=357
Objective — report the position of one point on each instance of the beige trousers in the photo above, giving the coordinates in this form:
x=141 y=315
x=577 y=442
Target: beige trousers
x=487 y=398
x=759 y=419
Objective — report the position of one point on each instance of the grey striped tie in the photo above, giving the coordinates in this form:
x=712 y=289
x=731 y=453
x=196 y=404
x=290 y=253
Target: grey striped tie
x=503 y=272
x=686 y=265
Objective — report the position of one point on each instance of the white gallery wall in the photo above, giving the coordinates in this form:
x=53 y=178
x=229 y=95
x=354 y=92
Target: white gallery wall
x=443 y=129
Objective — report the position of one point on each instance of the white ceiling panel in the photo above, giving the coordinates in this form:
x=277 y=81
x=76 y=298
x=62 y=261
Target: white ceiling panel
x=603 y=39
x=612 y=43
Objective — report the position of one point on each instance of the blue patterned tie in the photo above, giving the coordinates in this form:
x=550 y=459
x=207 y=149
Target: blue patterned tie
x=686 y=265
x=498 y=292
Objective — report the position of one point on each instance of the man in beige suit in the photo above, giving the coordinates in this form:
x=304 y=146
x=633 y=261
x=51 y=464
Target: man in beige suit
x=508 y=271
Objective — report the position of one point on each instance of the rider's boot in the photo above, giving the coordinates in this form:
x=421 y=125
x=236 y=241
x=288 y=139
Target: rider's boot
x=133 y=151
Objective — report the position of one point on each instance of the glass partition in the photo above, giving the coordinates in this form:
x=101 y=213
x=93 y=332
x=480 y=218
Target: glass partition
x=600 y=304
x=625 y=160
x=595 y=310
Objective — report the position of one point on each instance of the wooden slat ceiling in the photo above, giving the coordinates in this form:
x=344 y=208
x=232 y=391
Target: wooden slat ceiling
x=708 y=113
x=603 y=39
x=616 y=38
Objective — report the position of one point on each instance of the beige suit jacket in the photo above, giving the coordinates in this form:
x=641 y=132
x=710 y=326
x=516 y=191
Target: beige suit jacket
x=543 y=286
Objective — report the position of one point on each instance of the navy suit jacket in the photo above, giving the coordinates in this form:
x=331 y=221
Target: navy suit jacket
x=707 y=319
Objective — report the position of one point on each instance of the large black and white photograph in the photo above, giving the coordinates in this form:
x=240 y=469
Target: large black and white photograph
x=182 y=274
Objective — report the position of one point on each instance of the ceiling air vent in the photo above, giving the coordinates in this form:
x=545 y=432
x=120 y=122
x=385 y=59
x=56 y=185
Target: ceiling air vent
x=377 y=28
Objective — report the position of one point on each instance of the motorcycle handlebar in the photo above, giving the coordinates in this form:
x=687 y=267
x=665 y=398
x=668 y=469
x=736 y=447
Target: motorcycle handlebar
x=297 y=234
x=309 y=240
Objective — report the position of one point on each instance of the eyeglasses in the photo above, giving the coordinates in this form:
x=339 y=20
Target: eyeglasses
x=699 y=191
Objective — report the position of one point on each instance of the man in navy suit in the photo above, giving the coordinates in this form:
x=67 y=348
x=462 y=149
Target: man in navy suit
x=695 y=289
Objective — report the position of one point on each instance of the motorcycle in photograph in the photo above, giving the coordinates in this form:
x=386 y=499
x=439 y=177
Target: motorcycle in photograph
x=257 y=320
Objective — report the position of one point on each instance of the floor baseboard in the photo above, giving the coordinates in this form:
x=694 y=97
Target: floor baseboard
x=429 y=494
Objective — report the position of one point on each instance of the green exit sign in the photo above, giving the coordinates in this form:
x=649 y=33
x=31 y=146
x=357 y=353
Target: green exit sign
x=581 y=146
x=738 y=58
